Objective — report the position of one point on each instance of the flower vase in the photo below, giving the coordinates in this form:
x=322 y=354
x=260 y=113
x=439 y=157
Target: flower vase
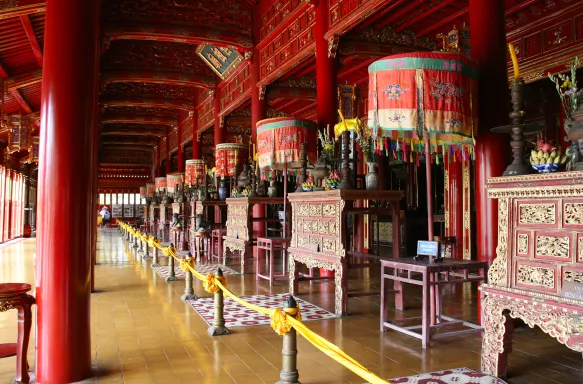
x=223 y=191
x=272 y=189
x=371 y=179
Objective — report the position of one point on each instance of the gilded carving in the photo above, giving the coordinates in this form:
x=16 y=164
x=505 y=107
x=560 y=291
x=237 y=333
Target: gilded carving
x=315 y=210
x=467 y=220
x=537 y=214
x=535 y=276
x=6 y=305
x=329 y=210
x=498 y=272
x=324 y=227
x=446 y=219
x=575 y=276
x=552 y=246
x=559 y=324
x=329 y=245
x=580 y=249
x=303 y=210
x=574 y=213
x=523 y=243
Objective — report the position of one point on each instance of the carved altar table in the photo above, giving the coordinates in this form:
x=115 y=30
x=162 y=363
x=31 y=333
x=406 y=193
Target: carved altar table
x=165 y=218
x=539 y=255
x=240 y=221
x=431 y=276
x=154 y=213
x=319 y=234
x=14 y=296
x=208 y=211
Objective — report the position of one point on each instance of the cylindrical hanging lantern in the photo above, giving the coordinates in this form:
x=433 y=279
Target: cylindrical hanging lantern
x=229 y=155
x=143 y=191
x=421 y=95
x=161 y=184
x=279 y=141
x=150 y=189
x=195 y=172
x=174 y=181
x=33 y=149
x=15 y=134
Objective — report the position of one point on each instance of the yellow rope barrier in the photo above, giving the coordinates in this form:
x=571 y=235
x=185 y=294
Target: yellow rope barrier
x=281 y=322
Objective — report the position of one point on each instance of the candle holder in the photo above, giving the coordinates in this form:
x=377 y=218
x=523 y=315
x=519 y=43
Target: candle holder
x=253 y=179
x=303 y=167
x=345 y=153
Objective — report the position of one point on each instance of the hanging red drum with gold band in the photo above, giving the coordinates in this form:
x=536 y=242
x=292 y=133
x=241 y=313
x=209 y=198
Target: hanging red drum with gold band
x=174 y=181
x=279 y=141
x=195 y=172
x=229 y=155
x=423 y=95
x=150 y=189
x=143 y=192
x=161 y=184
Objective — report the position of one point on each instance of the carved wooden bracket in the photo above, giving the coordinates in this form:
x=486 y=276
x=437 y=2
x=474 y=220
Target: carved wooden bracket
x=333 y=46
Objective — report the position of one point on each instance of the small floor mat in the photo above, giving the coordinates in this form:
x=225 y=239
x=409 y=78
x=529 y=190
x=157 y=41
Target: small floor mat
x=237 y=315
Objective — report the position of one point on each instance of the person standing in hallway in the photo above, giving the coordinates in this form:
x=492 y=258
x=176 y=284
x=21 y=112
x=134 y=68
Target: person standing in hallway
x=105 y=216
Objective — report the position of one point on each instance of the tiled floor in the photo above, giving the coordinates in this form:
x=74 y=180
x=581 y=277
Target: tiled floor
x=143 y=333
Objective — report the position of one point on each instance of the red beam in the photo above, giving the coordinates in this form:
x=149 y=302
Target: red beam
x=16 y=94
x=520 y=7
x=356 y=68
x=32 y=39
x=406 y=9
x=24 y=7
x=424 y=14
x=445 y=21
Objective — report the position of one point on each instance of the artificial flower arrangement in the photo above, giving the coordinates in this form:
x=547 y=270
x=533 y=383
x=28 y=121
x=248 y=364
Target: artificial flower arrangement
x=547 y=158
x=327 y=144
x=245 y=192
x=571 y=97
x=234 y=192
x=366 y=143
x=308 y=185
x=333 y=180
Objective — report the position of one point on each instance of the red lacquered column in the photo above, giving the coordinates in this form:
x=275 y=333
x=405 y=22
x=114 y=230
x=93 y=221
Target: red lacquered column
x=65 y=218
x=180 y=153
x=219 y=135
x=488 y=38
x=196 y=143
x=168 y=156
x=327 y=93
x=454 y=201
x=258 y=112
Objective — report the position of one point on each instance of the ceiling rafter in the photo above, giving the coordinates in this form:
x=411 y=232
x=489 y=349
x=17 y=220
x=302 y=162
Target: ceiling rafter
x=24 y=80
x=139 y=120
x=29 y=30
x=23 y=7
x=23 y=103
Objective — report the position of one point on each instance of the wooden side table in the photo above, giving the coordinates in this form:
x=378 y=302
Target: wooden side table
x=272 y=245
x=431 y=276
x=14 y=296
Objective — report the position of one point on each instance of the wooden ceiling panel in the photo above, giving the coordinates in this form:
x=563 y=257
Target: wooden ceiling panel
x=130 y=90
x=32 y=94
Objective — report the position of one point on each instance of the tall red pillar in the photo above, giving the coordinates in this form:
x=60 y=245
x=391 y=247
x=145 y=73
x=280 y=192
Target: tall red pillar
x=327 y=94
x=219 y=134
x=68 y=120
x=196 y=143
x=454 y=200
x=168 y=156
x=488 y=38
x=258 y=113
x=180 y=154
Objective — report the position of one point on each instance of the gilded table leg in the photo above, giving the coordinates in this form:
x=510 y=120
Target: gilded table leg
x=341 y=291
x=293 y=275
x=497 y=338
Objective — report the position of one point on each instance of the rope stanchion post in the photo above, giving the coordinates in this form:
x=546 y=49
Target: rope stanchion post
x=146 y=247
x=171 y=273
x=218 y=328
x=188 y=291
x=289 y=371
x=136 y=246
x=155 y=261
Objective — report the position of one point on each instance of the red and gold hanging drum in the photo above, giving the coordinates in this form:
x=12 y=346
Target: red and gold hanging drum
x=161 y=184
x=150 y=189
x=174 y=181
x=423 y=95
x=279 y=141
x=195 y=172
x=229 y=155
x=143 y=192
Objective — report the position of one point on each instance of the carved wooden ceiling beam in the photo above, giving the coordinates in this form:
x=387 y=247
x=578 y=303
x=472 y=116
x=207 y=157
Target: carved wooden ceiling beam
x=13 y=8
x=29 y=30
x=191 y=35
x=157 y=77
x=277 y=94
x=129 y=140
x=131 y=132
x=130 y=147
x=139 y=120
x=23 y=103
x=148 y=103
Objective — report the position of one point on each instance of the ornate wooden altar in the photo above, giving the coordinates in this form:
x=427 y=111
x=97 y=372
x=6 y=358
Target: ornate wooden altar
x=182 y=234
x=154 y=214
x=165 y=219
x=240 y=221
x=540 y=251
x=319 y=233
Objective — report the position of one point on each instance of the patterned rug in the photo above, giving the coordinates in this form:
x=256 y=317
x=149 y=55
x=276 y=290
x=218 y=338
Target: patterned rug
x=238 y=316
x=450 y=376
x=162 y=270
